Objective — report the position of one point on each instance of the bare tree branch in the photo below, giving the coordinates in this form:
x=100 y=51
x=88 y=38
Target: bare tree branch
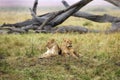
x=34 y=9
x=99 y=18
x=114 y=2
x=96 y=18
x=70 y=11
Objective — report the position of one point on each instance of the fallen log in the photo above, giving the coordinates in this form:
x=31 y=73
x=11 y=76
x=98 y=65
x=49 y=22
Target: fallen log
x=70 y=29
x=3 y=31
x=15 y=30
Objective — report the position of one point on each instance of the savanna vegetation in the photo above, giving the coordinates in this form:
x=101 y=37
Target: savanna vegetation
x=19 y=53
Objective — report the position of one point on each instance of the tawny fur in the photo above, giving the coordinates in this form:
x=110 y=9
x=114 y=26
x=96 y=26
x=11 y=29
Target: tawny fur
x=52 y=49
x=67 y=49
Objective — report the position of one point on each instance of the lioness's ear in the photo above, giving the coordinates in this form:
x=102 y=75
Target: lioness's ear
x=52 y=40
x=64 y=39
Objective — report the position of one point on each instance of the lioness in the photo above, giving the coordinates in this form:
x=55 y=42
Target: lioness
x=67 y=49
x=52 y=49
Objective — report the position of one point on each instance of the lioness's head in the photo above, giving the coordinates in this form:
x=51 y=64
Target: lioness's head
x=50 y=43
x=68 y=43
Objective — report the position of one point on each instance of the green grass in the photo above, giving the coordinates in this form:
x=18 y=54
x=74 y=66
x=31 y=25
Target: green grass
x=20 y=57
x=19 y=53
